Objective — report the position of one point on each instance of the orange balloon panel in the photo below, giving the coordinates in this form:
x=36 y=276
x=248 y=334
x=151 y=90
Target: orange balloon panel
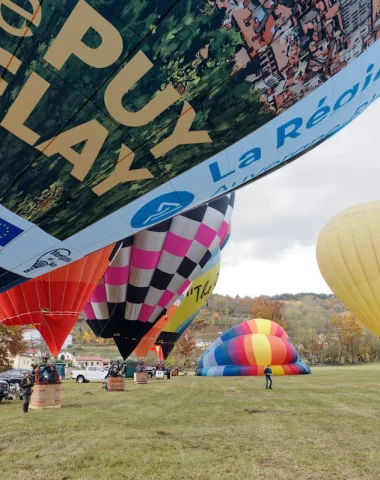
x=147 y=343
x=52 y=303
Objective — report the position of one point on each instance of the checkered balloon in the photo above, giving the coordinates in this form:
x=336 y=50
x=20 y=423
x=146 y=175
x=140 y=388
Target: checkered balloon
x=152 y=269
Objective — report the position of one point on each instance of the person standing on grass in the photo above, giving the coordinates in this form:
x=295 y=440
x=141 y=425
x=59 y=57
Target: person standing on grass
x=268 y=377
x=26 y=386
x=168 y=372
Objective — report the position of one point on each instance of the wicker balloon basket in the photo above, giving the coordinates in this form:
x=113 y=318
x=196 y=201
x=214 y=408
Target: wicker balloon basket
x=116 y=384
x=46 y=396
x=141 y=378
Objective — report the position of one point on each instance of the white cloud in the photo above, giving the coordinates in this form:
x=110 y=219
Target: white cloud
x=277 y=219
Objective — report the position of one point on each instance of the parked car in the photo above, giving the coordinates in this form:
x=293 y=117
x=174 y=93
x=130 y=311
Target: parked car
x=96 y=374
x=4 y=388
x=14 y=375
x=151 y=371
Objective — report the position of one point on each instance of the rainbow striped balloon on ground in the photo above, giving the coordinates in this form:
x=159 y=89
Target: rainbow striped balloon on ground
x=245 y=350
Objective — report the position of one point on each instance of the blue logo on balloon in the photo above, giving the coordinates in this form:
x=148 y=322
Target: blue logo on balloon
x=161 y=208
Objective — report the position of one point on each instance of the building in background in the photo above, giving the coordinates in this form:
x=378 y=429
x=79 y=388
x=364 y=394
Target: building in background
x=69 y=357
x=22 y=361
x=91 y=361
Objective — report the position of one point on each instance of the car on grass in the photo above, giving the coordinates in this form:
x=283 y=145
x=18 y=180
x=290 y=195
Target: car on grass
x=4 y=389
x=151 y=371
x=14 y=376
x=94 y=374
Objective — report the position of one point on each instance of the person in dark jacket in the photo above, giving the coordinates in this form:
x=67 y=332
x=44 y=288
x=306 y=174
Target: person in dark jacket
x=34 y=372
x=115 y=370
x=268 y=377
x=168 y=372
x=26 y=387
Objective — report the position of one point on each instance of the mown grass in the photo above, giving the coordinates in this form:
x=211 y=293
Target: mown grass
x=319 y=426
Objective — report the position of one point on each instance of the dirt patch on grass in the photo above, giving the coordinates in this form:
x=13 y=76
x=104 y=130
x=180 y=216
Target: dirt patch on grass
x=267 y=462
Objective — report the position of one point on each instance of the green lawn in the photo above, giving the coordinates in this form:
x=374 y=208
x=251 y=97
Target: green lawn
x=320 y=426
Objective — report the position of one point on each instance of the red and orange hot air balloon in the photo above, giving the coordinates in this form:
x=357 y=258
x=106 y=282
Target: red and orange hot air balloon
x=52 y=303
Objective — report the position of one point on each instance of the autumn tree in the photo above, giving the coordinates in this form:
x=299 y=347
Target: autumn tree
x=262 y=307
x=183 y=351
x=11 y=344
x=349 y=331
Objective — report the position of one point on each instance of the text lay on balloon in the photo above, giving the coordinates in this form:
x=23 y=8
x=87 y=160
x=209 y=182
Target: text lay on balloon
x=116 y=114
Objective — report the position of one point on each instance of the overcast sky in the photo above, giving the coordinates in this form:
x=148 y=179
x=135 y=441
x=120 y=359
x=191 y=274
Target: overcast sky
x=276 y=220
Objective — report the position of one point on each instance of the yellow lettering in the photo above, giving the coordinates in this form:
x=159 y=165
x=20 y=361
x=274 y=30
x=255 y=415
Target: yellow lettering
x=124 y=81
x=34 y=18
x=27 y=100
x=92 y=132
x=122 y=173
x=182 y=134
x=10 y=63
x=69 y=40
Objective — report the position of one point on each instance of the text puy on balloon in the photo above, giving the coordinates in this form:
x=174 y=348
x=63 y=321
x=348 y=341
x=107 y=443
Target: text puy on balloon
x=117 y=115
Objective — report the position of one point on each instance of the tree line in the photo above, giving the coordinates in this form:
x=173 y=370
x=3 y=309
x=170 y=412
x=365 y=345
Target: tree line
x=318 y=325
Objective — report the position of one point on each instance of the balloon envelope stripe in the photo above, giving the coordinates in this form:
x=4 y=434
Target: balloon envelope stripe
x=240 y=349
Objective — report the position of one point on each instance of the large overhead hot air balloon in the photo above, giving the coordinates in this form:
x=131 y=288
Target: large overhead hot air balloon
x=119 y=114
x=348 y=254
x=248 y=348
x=152 y=269
x=52 y=303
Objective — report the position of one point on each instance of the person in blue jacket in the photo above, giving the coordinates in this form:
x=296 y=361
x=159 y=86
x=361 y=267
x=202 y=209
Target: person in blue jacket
x=268 y=377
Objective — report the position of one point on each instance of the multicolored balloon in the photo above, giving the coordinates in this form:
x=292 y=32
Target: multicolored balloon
x=348 y=252
x=248 y=348
x=182 y=314
x=117 y=114
x=184 y=310
x=152 y=269
x=52 y=303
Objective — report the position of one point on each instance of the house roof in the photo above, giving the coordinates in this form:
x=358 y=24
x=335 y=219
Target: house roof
x=29 y=352
x=85 y=358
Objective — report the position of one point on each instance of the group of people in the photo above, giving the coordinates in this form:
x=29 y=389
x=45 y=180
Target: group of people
x=116 y=369
x=160 y=367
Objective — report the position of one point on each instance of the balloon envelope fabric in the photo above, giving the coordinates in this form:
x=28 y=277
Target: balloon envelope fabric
x=184 y=310
x=348 y=255
x=52 y=303
x=118 y=114
x=248 y=348
x=152 y=269
x=182 y=314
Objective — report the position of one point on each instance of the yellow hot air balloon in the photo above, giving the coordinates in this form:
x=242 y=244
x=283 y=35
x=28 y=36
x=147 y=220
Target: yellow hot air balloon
x=348 y=255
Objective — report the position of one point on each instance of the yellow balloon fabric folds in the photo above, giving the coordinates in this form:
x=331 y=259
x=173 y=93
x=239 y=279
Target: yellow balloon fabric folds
x=348 y=255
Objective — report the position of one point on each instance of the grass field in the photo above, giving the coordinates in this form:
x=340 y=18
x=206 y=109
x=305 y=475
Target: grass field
x=320 y=426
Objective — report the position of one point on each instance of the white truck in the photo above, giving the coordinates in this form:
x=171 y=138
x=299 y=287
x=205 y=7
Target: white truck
x=95 y=374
